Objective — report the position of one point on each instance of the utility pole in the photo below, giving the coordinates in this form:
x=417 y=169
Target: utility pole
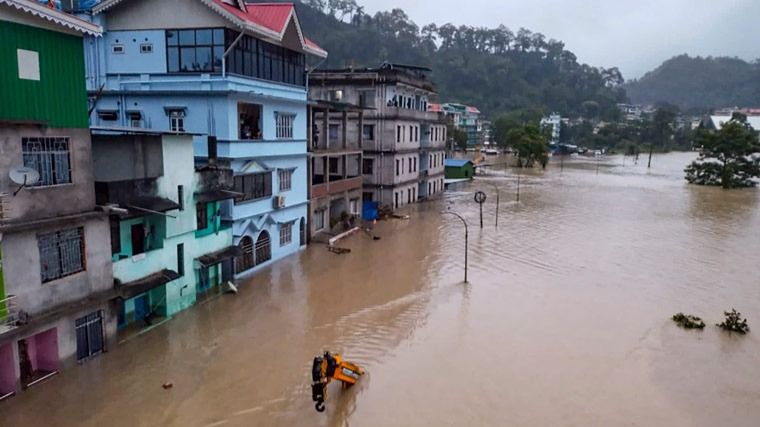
x=466 y=238
x=651 y=148
x=518 y=184
x=480 y=198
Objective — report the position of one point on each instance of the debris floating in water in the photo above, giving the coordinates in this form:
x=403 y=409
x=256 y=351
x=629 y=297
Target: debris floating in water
x=734 y=322
x=688 y=321
x=167 y=386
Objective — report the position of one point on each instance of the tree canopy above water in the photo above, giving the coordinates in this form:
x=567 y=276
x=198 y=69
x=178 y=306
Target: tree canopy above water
x=495 y=69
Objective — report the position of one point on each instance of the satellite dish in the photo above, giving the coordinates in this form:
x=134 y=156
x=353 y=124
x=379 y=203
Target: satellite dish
x=24 y=176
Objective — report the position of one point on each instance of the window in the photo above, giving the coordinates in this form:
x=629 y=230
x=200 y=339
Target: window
x=286 y=234
x=368 y=132
x=334 y=132
x=417 y=133
x=28 y=64
x=397 y=169
x=89 y=331
x=245 y=261
x=117 y=49
x=146 y=48
x=285 y=177
x=181 y=197
x=410 y=166
x=319 y=219
x=249 y=116
x=194 y=51
x=177 y=120
x=415 y=164
x=253 y=186
x=395 y=196
x=334 y=164
x=61 y=253
x=368 y=166
x=50 y=157
x=259 y=59
x=353 y=206
x=107 y=115
x=135 y=119
x=263 y=248
x=367 y=98
x=411 y=134
x=201 y=216
x=115 y=235
x=181 y=259
x=398 y=133
x=285 y=125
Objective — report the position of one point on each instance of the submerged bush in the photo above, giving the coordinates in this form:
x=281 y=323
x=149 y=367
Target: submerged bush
x=688 y=321
x=734 y=322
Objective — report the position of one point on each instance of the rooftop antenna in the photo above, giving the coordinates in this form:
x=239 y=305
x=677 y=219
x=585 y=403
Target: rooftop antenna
x=24 y=177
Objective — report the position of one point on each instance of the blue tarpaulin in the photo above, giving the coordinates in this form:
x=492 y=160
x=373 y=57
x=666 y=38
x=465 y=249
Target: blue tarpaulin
x=369 y=210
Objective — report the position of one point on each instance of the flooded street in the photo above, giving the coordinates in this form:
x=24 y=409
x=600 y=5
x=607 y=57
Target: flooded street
x=565 y=321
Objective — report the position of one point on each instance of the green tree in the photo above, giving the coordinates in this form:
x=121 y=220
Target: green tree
x=730 y=157
x=459 y=136
x=531 y=145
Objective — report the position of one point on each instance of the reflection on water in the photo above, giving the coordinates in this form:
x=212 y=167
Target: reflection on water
x=565 y=321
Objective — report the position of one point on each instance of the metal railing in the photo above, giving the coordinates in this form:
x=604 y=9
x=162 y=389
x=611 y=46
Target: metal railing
x=9 y=311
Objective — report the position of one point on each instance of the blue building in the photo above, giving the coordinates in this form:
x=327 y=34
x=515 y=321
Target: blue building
x=233 y=73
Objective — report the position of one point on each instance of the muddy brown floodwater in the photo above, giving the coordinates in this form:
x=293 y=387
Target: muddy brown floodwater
x=565 y=321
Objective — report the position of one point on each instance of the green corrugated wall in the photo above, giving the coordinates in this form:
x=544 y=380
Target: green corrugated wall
x=59 y=97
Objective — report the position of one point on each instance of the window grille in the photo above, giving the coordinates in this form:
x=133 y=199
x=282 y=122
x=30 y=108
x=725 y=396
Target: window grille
x=285 y=125
x=50 y=156
x=177 y=121
x=61 y=253
x=263 y=248
x=286 y=179
x=286 y=234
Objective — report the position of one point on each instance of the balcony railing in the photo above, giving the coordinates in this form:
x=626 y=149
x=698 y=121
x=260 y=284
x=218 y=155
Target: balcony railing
x=8 y=312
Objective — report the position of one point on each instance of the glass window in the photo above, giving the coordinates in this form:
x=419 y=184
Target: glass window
x=368 y=132
x=203 y=37
x=253 y=186
x=172 y=38
x=186 y=37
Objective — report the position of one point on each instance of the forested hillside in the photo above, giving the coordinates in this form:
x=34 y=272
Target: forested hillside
x=698 y=84
x=499 y=70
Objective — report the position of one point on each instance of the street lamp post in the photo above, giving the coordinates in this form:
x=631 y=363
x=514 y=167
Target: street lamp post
x=466 y=238
x=496 y=187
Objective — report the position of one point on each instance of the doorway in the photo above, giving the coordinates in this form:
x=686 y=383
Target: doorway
x=138 y=239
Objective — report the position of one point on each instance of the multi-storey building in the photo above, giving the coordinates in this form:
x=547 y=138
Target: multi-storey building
x=56 y=282
x=222 y=69
x=335 y=166
x=403 y=143
x=466 y=118
x=169 y=244
x=554 y=123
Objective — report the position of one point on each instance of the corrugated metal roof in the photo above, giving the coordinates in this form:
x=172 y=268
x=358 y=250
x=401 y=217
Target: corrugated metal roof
x=456 y=163
x=718 y=121
x=435 y=108
x=55 y=16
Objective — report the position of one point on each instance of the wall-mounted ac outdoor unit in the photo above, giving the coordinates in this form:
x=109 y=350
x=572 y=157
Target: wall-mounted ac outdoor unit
x=278 y=202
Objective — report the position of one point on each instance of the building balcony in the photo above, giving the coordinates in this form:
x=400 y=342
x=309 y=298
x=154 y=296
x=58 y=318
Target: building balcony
x=396 y=113
x=335 y=186
x=130 y=269
x=244 y=148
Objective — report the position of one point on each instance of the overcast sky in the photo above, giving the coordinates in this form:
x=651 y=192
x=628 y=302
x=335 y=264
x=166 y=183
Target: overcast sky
x=634 y=35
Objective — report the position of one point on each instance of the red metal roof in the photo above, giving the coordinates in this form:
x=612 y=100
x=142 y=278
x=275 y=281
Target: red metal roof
x=435 y=108
x=473 y=110
x=273 y=17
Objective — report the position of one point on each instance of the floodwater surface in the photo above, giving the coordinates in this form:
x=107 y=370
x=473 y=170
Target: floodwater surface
x=565 y=320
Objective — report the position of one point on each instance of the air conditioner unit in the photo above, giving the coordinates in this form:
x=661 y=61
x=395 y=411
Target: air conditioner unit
x=278 y=202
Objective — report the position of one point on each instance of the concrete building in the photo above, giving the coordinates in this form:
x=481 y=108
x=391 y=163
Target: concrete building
x=335 y=167
x=554 y=123
x=222 y=69
x=403 y=143
x=169 y=245
x=56 y=283
x=466 y=118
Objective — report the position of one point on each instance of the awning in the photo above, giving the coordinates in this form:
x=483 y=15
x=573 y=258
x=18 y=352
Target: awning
x=137 y=287
x=217 y=257
x=216 y=195
x=143 y=205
